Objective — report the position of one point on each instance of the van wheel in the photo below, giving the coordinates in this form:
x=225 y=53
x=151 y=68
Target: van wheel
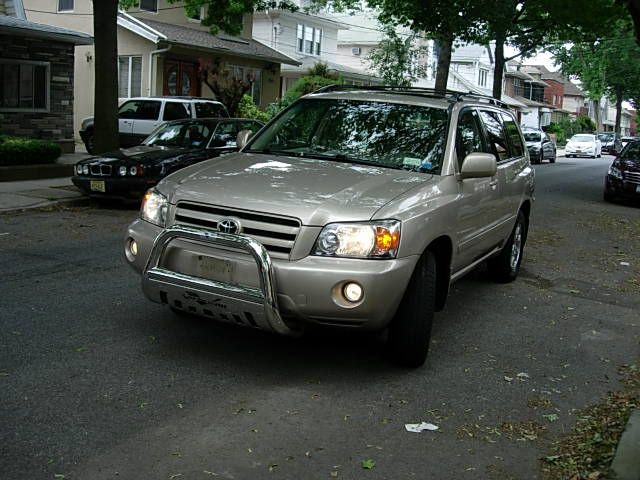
x=505 y=267
x=410 y=329
x=89 y=142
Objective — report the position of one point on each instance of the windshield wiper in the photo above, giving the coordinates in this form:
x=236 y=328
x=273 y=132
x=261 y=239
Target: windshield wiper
x=269 y=151
x=342 y=157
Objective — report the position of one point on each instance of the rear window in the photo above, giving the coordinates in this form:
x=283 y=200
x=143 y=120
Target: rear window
x=140 y=110
x=532 y=136
x=210 y=109
x=583 y=138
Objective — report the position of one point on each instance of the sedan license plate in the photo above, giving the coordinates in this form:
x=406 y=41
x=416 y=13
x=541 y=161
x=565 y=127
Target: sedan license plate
x=215 y=268
x=97 y=186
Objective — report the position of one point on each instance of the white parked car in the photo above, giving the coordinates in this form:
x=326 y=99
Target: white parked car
x=583 y=145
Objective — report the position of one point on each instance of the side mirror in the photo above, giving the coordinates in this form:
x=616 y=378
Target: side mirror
x=243 y=138
x=479 y=165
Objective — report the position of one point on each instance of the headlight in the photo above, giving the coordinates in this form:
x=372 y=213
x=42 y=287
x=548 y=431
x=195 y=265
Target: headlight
x=378 y=239
x=133 y=170
x=615 y=172
x=122 y=171
x=154 y=208
x=85 y=169
x=79 y=169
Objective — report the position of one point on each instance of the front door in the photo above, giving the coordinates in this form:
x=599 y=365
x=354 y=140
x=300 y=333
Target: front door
x=181 y=79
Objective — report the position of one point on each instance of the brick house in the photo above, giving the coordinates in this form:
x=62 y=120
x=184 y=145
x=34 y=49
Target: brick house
x=36 y=77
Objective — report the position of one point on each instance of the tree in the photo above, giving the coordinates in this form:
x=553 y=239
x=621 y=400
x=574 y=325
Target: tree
x=607 y=66
x=396 y=58
x=226 y=87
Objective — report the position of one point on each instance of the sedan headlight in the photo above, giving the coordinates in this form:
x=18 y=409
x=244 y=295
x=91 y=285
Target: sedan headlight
x=615 y=172
x=78 y=169
x=154 y=208
x=85 y=169
x=377 y=239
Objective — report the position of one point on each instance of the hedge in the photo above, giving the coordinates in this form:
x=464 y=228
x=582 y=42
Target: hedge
x=27 y=151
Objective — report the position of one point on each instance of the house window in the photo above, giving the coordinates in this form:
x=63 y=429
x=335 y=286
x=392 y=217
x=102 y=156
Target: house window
x=197 y=14
x=149 y=5
x=482 y=77
x=65 y=5
x=129 y=76
x=253 y=76
x=24 y=86
x=309 y=40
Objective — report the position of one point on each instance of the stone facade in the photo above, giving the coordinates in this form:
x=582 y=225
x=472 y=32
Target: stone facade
x=57 y=123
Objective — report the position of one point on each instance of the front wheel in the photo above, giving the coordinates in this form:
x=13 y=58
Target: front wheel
x=553 y=157
x=505 y=267
x=410 y=329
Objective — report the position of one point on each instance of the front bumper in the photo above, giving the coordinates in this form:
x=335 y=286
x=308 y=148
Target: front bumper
x=123 y=188
x=620 y=188
x=278 y=296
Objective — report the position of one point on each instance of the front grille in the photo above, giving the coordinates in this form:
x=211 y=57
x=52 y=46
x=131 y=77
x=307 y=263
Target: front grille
x=277 y=234
x=100 y=170
x=632 y=177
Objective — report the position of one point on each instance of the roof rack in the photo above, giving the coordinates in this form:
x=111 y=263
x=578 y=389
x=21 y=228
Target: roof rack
x=451 y=95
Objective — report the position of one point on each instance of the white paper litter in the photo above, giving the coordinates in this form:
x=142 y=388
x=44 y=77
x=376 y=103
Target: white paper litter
x=625 y=264
x=420 y=427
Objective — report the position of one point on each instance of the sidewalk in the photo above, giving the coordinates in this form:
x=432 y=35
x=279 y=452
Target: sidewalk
x=36 y=190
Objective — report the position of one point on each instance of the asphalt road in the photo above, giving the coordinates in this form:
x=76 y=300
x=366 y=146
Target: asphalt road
x=98 y=383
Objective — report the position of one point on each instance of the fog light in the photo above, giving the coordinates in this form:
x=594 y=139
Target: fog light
x=352 y=292
x=133 y=247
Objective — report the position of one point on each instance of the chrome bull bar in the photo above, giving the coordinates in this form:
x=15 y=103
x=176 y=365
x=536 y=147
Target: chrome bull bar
x=157 y=281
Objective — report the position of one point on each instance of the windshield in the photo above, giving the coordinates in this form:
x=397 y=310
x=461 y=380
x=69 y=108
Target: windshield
x=388 y=135
x=531 y=136
x=605 y=137
x=183 y=134
x=631 y=154
x=582 y=138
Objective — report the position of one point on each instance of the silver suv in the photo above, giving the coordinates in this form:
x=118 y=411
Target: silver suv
x=354 y=207
x=138 y=117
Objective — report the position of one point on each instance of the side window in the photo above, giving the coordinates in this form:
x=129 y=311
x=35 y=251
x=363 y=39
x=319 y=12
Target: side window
x=468 y=135
x=175 y=111
x=253 y=126
x=497 y=138
x=197 y=135
x=515 y=141
x=139 y=110
x=210 y=109
x=225 y=135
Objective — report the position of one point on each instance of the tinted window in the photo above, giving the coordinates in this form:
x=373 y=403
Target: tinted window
x=468 y=136
x=384 y=134
x=183 y=134
x=175 y=111
x=513 y=134
x=140 y=110
x=632 y=152
x=210 y=109
x=531 y=136
x=253 y=126
x=225 y=135
x=495 y=132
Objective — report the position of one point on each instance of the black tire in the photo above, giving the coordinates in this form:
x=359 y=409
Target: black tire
x=608 y=197
x=410 y=329
x=553 y=158
x=504 y=268
x=88 y=141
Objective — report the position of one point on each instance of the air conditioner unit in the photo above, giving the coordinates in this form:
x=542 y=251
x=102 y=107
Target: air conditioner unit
x=356 y=51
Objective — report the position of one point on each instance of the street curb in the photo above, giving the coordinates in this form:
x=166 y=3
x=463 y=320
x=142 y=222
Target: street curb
x=67 y=202
x=626 y=463
x=18 y=173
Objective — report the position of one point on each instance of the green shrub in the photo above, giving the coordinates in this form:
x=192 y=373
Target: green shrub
x=27 y=151
x=248 y=109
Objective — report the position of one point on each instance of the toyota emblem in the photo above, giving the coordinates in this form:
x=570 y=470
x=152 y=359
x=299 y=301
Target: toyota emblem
x=229 y=225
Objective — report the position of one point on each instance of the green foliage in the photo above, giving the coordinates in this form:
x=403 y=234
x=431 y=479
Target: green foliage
x=248 y=109
x=396 y=59
x=566 y=128
x=27 y=151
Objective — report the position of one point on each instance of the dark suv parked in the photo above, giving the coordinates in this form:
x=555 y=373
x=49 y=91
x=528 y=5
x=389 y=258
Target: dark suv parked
x=611 y=142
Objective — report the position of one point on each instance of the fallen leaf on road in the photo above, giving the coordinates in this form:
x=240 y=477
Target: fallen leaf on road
x=368 y=464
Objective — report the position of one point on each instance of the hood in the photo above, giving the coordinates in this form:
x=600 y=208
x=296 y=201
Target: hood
x=315 y=191
x=140 y=154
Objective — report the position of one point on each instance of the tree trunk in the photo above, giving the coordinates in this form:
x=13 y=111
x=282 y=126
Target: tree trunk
x=445 y=46
x=498 y=70
x=105 y=113
x=634 y=10
x=618 y=107
x=597 y=114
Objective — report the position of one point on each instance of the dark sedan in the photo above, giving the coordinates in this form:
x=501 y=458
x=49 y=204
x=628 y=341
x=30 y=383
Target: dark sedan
x=128 y=173
x=623 y=177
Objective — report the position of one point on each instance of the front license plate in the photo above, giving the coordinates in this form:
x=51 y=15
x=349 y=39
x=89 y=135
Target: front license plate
x=216 y=268
x=97 y=186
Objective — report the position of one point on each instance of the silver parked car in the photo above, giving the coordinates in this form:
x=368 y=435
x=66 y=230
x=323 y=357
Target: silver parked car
x=355 y=207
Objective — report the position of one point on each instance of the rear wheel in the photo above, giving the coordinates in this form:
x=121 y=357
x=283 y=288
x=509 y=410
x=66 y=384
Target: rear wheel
x=505 y=267
x=410 y=329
